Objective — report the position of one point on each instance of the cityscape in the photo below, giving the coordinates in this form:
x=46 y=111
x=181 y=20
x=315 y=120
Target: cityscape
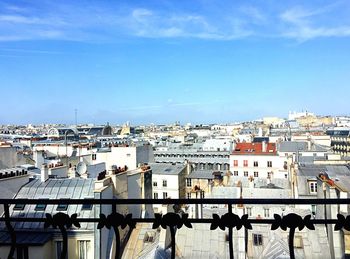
x=174 y=129
x=304 y=156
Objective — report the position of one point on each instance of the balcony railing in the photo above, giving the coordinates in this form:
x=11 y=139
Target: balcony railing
x=173 y=221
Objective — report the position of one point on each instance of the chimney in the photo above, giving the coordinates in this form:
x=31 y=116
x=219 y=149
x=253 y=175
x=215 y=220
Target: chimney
x=251 y=182
x=225 y=181
x=268 y=179
x=210 y=187
x=44 y=172
x=264 y=146
x=188 y=167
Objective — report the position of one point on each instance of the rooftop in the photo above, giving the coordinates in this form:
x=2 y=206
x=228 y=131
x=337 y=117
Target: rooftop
x=255 y=149
x=201 y=174
x=166 y=168
x=75 y=188
x=12 y=172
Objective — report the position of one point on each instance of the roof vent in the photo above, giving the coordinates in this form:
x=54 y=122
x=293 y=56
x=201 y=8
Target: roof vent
x=150 y=236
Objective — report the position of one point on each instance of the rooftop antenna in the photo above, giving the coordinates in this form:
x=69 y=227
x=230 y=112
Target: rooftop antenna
x=76 y=116
x=81 y=168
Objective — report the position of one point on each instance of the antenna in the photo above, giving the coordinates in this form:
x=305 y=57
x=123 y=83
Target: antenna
x=81 y=168
x=76 y=116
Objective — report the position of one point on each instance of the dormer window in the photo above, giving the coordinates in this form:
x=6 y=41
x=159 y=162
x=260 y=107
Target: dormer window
x=40 y=207
x=313 y=187
x=19 y=207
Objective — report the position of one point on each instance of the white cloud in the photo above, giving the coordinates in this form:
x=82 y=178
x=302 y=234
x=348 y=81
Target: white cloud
x=150 y=24
x=141 y=15
x=304 y=24
x=19 y=19
x=98 y=22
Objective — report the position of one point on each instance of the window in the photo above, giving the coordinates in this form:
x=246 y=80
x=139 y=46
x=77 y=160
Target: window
x=257 y=239
x=245 y=173
x=84 y=249
x=94 y=156
x=313 y=187
x=188 y=195
x=62 y=207
x=149 y=237
x=165 y=183
x=235 y=162
x=245 y=163
x=19 y=207
x=202 y=195
x=59 y=245
x=87 y=206
x=269 y=163
x=155 y=195
x=269 y=175
x=40 y=207
x=155 y=184
x=165 y=195
x=347 y=243
x=298 y=242
x=188 y=182
x=256 y=164
x=235 y=173
x=256 y=174
x=267 y=213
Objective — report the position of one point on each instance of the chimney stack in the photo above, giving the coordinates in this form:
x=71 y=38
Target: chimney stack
x=264 y=146
x=44 y=172
x=251 y=182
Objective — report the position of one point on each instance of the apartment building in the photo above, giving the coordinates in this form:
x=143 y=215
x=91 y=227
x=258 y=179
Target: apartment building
x=340 y=140
x=257 y=160
x=168 y=181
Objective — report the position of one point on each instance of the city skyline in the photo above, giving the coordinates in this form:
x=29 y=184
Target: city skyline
x=162 y=62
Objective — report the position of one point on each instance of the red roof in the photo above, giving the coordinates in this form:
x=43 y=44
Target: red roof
x=254 y=149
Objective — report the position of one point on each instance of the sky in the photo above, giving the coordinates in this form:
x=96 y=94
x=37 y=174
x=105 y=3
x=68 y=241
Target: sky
x=163 y=61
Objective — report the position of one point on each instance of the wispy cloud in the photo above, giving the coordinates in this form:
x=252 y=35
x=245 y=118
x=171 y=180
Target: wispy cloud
x=150 y=24
x=70 y=23
x=18 y=19
x=305 y=24
x=108 y=21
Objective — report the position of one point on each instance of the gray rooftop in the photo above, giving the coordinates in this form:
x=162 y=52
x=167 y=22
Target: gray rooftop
x=201 y=242
x=340 y=173
x=300 y=146
x=166 y=168
x=267 y=193
x=291 y=146
x=331 y=170
x=75 y=188
x=201 y=174
x=26 y=238
x=225 y=192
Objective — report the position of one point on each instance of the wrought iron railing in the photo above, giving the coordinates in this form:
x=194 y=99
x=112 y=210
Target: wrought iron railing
x=175 y=221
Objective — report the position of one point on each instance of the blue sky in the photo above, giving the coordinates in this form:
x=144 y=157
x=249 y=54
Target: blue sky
x=164 y=61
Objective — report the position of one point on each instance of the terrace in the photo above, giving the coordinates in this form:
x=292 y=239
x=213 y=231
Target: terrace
x=172 y=221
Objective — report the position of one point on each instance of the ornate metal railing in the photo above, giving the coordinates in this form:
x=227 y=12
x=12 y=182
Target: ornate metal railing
x=175 y=221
